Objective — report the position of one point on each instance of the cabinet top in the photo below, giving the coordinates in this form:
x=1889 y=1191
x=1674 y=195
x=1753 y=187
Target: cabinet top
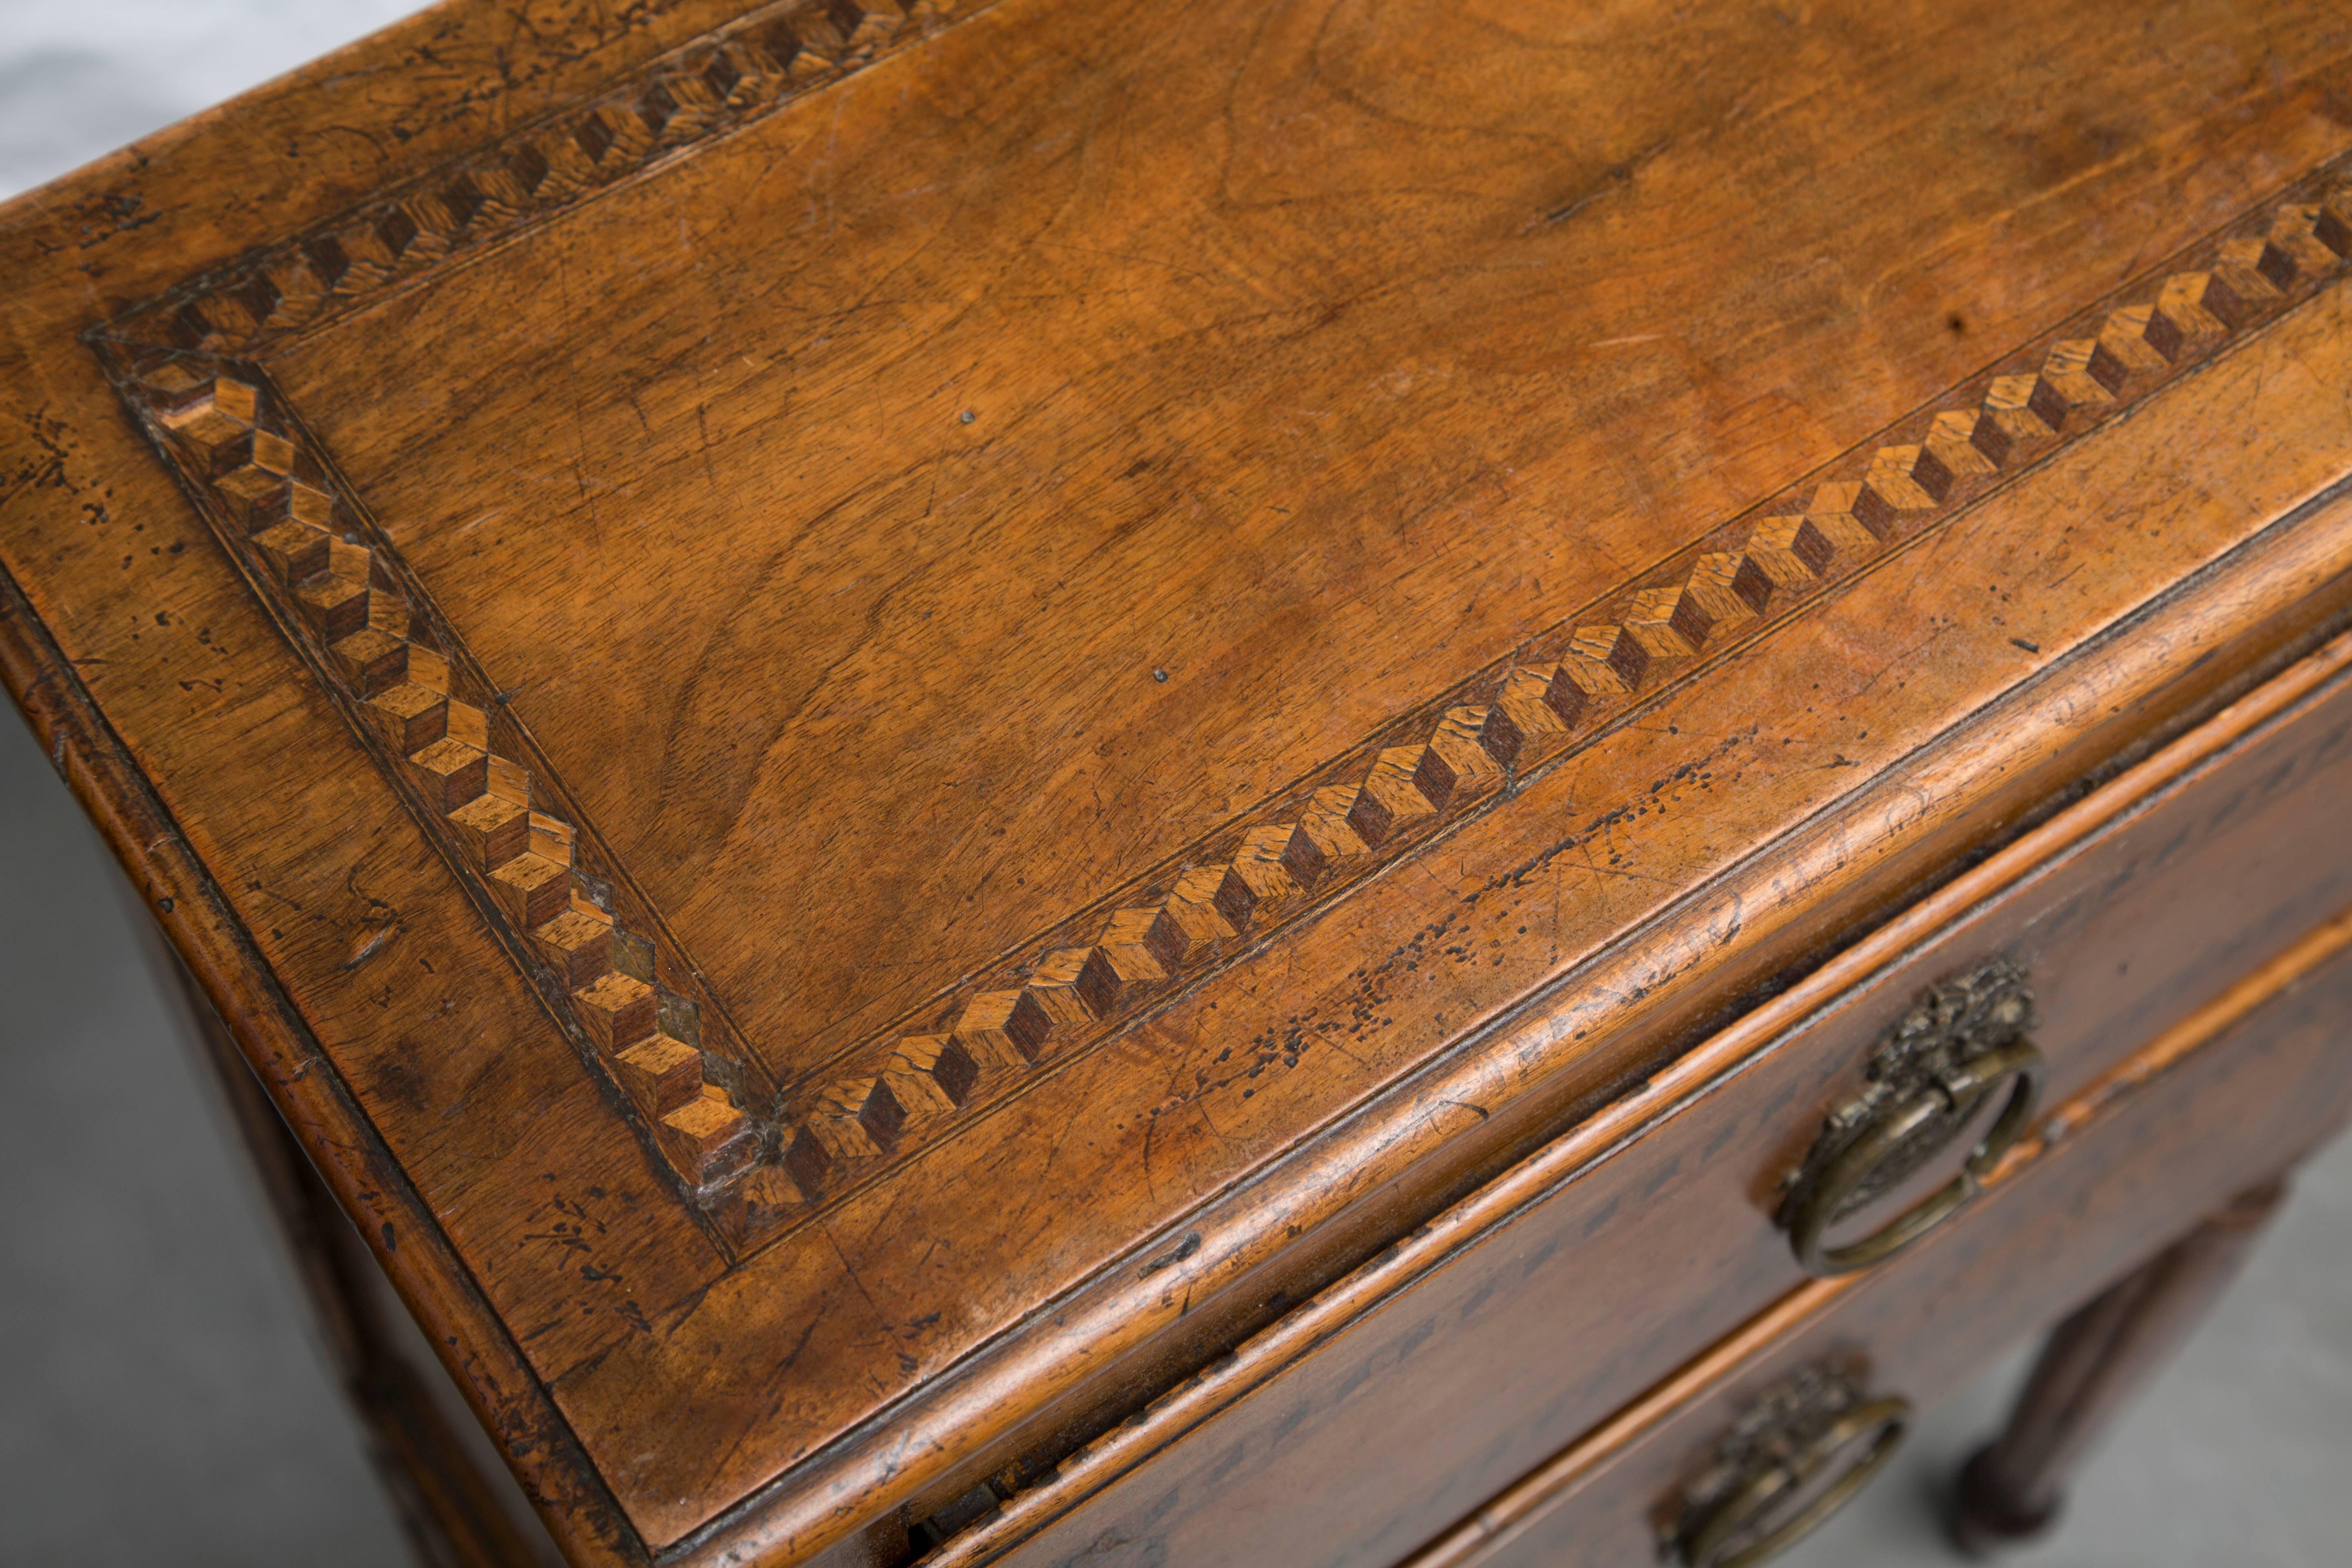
x=876 y=715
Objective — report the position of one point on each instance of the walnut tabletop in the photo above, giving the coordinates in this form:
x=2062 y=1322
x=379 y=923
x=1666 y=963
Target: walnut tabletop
x=880 y=721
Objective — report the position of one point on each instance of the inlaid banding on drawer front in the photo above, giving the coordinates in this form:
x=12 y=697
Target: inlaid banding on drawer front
x=1646 y=1233
x=763 y=1143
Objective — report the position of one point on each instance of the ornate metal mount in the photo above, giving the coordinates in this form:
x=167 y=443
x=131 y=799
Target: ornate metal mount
x=1794 y=1457
x=1958 y=1044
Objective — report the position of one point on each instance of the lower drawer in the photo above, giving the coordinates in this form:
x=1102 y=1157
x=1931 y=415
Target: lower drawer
x=2229 y=1100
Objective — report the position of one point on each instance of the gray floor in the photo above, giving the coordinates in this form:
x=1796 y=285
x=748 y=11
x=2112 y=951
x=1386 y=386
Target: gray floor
x=162 y=1401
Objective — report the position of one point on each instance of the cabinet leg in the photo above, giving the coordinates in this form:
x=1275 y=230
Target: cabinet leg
x=2095 y=1362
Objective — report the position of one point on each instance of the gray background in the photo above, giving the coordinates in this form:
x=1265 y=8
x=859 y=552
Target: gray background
x=163 y=1400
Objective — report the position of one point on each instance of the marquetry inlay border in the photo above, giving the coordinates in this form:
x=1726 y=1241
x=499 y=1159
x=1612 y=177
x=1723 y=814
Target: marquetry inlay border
x=722 y=81
x=758 y=1156
x=578 y=929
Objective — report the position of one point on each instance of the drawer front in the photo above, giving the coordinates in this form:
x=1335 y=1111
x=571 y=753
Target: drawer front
x=1652 y=1234
x=2084 y=1211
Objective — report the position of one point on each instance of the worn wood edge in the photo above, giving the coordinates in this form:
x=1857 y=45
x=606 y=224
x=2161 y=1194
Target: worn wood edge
x=1497 y=1522
x=635 y=39
x=2264 y=601
x=207 y=309
x=308 y=1093
x=1693 y=1077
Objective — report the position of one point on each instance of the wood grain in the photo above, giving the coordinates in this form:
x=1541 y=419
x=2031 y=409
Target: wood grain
x=395 y=660
x=453 y=1497
x=948 y=614
x=1536 y=319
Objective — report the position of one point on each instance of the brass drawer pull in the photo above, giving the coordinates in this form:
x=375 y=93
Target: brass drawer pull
x=1957 y=1047
x=1951 y=1099
x=1774 y=1480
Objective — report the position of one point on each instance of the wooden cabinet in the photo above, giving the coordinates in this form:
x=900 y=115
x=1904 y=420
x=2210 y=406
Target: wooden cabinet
x=994 y=779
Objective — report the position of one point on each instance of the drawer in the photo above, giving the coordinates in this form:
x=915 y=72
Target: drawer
x=1366 y=1420
x=2199 y=1118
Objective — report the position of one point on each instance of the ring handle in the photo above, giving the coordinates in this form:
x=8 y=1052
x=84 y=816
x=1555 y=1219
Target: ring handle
x=1955 y=1093
x=1715 y=1539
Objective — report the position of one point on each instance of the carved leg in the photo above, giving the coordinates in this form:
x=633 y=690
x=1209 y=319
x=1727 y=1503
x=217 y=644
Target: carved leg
x=2093 y=1364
